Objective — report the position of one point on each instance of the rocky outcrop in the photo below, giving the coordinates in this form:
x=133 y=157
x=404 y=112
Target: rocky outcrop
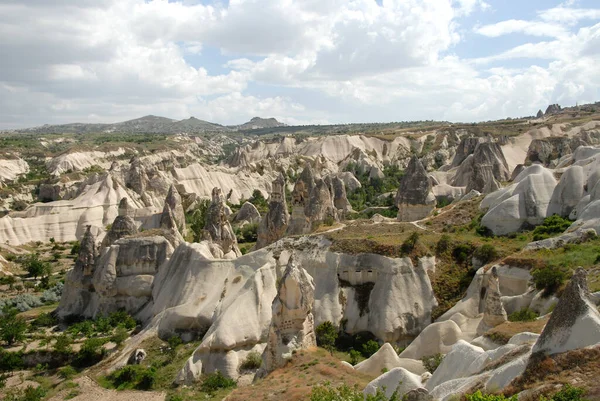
x=523 y=203
x=397 y=380
x=494 y=313
x=247 y=214
x=574 y=323
x=292 y=322
x=552 y=109
x=568 y=192
x=548 y=151
x=122 y=226
x=386 y=359
x=539 y=114
x=319 y=207
x=415 y=199
x=465 y=148
x=340 y=199
x=300 y=223
x=275 y=223
x=218 y=226
x=484 y=170
x=50 y=192
x=173 y=200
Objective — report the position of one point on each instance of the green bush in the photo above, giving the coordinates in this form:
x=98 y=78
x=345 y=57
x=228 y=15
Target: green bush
x=63 y=344
x=478 y=396
x=462 y=253
x=369 y=348
x=523 y=315
x=443 y=245
x=35 y=267
x=410 y=243
x=548 y=279
x=567 y=393
x=486 y=253
x=431 y=362
x=345 y=393
x=92 y=351
x=120 y=335
x=551 y=226
x=354 y=356
x=252 y=361
x=248 y=233
x=215 y=381
x=67 y=372
x=28 y=394
x=12 y=327
x=44 y=320
x=75 y=248
x=122 y=319
x=197 y=219
x=10 y=361
x=326 y=334
x=133 y=377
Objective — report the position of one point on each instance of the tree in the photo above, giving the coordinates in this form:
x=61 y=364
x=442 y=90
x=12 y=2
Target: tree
x=326 y=334
x=12 y=327
x=35 y=267
x=198 y=219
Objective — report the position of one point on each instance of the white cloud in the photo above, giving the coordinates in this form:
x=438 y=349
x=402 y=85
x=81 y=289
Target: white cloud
x=568 y=15
x=533 y=28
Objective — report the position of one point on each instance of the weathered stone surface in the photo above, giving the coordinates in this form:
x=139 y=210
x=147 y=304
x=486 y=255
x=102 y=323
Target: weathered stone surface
x=340 y=199
x=387 y=359
x=540 y=114
x=137 y=357
x=398 y=379
x=173 y=200
x=518 y=170
x=218 y=226
x=247 y=213
x=552 y=109
x=87 y=253
x=303 y=187
x=292 y=322
x=568 y=192
x=275 y=223
x=465 y=148
x=548 y=150
x=320 y=205
x=494 y=313
x=574 y=323
x=50 y=192
x=122 y=226
x=418 y=394
x=415 y=199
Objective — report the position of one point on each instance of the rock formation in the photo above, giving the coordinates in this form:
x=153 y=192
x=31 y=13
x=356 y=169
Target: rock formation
x=523 y=203
x=415 y=199
x=396 y=380
x=387 y=359
x=78 y=290
x=292 y=322
x=247 y=214
x=574 y=323
x=568 y=192
x=275 y=223
x=465 y=148
x=299 y=222
x=173 y=200
x=494 y=313
x=319 y=207
x=122 y=226
x=484 y=170
x=218 y=226
x=552 y=109
x=340 y=199
x=539 y=114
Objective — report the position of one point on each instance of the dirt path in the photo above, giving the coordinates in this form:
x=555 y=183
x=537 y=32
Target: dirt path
x=89 y=390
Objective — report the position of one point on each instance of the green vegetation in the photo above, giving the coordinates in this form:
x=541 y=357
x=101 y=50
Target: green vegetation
x=248 y=233
x=12 y=327
x=567 y=393
x=28 y=394
x=548 y=279
x=216 y=381
x=196 y=220
x=252 y=361
x=369 y=348
x=35 y=267
x=326 y=334
x=410 y=243
x=551 y=226
x=486 y=253
x=431 y=362
x=371 y=190
x=478 y=396
x=345 y=393
x=523 y=315
x=136 y=377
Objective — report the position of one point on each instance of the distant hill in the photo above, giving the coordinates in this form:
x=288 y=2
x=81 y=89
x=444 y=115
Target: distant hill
x=258 y=123
x=147 y=124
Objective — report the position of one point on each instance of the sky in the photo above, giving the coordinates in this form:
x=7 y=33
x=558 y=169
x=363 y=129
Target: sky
x=300 y=61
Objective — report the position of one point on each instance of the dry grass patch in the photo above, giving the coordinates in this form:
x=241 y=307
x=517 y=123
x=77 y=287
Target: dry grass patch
x=295 y=381
x=502 y=333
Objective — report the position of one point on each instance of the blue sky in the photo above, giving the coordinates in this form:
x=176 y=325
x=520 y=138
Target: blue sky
x=308 y=61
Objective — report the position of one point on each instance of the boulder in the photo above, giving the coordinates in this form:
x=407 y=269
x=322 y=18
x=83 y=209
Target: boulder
x=548 y=150
x=415 y=198
x=292 y=322
x=517 y=170
x=418 y=394
x=485 y=170
x=247 y=213
x=434 y=339
x=274 y=224
x=396 y=380
x=574 y=323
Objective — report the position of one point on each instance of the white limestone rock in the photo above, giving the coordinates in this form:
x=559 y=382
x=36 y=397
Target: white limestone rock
x=456 y=364
x=387 y=358
x=436 y=338
x=397 y=379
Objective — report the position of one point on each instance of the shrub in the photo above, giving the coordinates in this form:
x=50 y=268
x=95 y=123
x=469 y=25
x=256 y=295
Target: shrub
x=133 y=377
x=252 y=361
x=92 y=351
x=29 y=394
x=19 y=205
x=197 y=219
x=75 y=248
x=369 y=348
x=10 y=361
x=354 y=356
x=478 y=396
x=122 y=319
x=567 y=393
x=12 y=327
x=523 y=315
x=249 y=233
x=215 y=381
x=443 y=244
x=346 y=393
x=410 y=243
x=552 y=225
x=548 y=279
x=486 y=253
x=43 y=320
x=462 y=253
x=326 y=334
x=431 y=362
x=120 y=336
x=82 y=329
x=35 y=267
x=67 y=372
x=53 y=294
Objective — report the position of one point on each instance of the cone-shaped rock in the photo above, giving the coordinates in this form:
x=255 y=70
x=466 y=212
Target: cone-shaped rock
x=122 y=226
x=173 y=200
x=218 y=226
x=494 y=313
x=275 y=223
x=415 y=199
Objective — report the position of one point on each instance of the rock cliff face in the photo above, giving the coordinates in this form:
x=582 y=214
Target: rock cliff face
x=122 y=226
x=218 y=225
x=274 y=224
x=340 y=198
x=319 y=207
x=552 y=109
x=299 y=222
x=484 y=170
x=292 y=322
x=415 y=199
x=465 y=148
x=574 y=323
x=549 y=150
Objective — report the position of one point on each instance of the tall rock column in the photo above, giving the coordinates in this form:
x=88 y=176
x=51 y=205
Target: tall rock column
x=494 y=313
x=122 y=226
x=299 y=222
x=275 y=223
x=218 y=225
x=292 y=324
x=415 y=199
